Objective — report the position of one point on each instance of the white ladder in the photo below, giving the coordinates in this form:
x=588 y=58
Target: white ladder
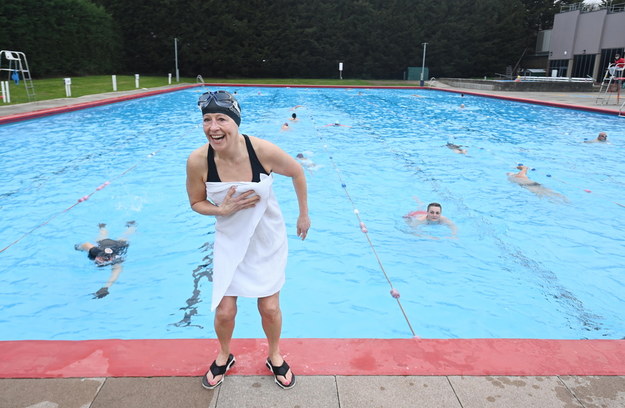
x=612 y=77
x=17 y=62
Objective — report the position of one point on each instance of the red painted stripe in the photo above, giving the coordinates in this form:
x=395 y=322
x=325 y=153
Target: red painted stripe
x=78 y=106
x=69 y=108
x=191 y=357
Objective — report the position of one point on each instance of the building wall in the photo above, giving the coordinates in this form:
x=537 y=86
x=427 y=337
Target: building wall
x=588 y=32
x=576 y=33
x=563 y=35
x=614 y=31
x=591 y=36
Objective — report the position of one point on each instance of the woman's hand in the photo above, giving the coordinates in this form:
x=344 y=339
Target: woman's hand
x=303 y=225
x=231 y=204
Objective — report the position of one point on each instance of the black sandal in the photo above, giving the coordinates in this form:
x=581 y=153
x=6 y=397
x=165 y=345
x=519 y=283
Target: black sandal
x=216 y=370
x=282 y=370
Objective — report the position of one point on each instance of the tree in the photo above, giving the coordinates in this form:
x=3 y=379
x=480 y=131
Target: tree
x=60 y=37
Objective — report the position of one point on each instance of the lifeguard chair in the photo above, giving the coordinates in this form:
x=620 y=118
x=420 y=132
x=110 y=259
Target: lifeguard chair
x=612 y=83
x=15 y=61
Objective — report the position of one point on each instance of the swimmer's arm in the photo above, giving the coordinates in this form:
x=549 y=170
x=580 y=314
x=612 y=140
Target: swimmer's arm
x=451 y=225
x=115 y=271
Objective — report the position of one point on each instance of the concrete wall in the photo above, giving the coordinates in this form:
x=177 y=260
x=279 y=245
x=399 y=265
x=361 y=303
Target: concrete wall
x=588 y=33
x=614 y=31
x=489 y=85
x=563 y=35
x=576 y=33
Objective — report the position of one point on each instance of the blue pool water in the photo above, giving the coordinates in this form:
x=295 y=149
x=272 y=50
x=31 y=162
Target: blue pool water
x=521 y=267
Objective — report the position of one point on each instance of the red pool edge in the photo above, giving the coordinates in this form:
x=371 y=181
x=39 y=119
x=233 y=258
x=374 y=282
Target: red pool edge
x=77 y=106
x=191 y=357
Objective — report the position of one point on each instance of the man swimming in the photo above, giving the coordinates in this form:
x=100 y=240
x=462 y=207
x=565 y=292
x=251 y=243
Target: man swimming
x=601 y=138
x=433 y=215
x=456 y=148
x=108 y=252
x=521 y=179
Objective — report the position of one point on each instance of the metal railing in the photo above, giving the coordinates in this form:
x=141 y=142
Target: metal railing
x=587 y=8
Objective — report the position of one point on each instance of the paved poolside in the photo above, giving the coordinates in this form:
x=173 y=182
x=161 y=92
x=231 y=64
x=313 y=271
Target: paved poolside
x=331 y=373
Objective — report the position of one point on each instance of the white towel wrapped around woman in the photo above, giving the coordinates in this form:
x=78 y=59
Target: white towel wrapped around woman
x=251 y=249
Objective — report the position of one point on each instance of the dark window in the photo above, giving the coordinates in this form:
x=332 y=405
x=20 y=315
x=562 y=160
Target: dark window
x=560 y=65
x=583 y=65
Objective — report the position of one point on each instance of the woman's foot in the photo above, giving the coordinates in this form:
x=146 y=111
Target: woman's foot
x=282 y=373
x=217 y=373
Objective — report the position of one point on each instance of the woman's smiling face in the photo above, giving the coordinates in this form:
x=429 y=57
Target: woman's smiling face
x=218 y=128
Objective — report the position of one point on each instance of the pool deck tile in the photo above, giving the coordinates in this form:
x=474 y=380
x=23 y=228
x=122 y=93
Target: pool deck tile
x=50 y=392
x=596 y=391
x=328 y=391
x=318 y=392
x=396 y=392
x=513 y=392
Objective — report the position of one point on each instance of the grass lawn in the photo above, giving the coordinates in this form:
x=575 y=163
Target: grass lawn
x=53 y=88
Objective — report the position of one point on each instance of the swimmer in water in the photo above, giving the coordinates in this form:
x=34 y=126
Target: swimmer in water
x=601 y=138
x=305 y=161
x=456 y=148
x=285 y=126
x=294 y=117
x=521 y=179
x=433 y=215
x=337 y=123
x=108 y=252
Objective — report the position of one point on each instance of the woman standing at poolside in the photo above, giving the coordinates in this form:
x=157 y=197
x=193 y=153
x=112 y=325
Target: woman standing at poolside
x=230 y=177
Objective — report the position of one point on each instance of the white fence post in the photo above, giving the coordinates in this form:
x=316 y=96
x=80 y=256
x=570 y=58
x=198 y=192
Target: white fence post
x=68 y=87
x=6 y=93
x=136 y=80
x=114 y=79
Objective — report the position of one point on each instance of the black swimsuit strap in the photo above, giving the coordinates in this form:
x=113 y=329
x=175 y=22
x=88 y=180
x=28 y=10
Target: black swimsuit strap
x=212 y=174
x=257 y=167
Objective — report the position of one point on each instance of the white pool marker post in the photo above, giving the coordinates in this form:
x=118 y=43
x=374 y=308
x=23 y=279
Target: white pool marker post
x=340 y=70
x=68 y=87
x=114 y=80
x=136 y=80
x=6 y=93
x=176 y=56
x=421 y=82
x=169 y=79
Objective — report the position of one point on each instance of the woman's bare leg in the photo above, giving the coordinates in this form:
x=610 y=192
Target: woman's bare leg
x=224 y=327
x=271 y=315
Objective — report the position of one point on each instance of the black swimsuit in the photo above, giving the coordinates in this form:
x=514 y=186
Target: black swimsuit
x=257 y=168
x=119 y=249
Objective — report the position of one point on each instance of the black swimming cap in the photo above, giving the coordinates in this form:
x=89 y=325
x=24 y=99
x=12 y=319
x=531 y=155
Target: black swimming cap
x=94 y=253
x=231 y=108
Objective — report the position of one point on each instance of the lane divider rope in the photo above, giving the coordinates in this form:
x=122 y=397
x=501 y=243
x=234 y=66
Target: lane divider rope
x=394 y=292
x=99 y=188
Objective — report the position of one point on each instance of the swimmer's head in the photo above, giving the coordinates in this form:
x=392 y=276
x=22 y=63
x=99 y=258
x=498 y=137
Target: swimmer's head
x=94 y=252
x=434 y=211
x=294 y=116
x=220 y=102
x=100 y=255
x=603 y=136
x=300 y=156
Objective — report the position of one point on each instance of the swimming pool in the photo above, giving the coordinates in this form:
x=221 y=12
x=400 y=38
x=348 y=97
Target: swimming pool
x=522 y=266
